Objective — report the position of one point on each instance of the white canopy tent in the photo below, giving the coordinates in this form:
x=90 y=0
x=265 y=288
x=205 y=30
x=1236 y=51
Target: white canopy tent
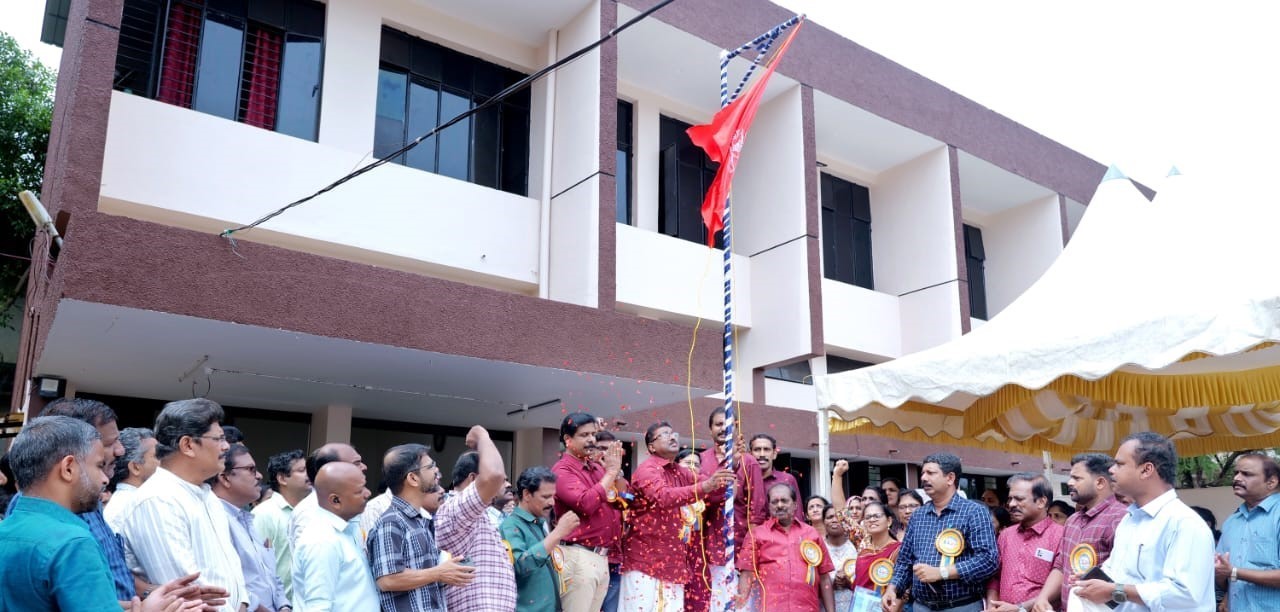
x=1160 y=316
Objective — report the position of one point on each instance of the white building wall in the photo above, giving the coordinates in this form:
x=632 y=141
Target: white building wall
x=668 y=278
x=575 y=187
x=184 y=168
x=1020 y=244
x=780 y=311
x=912 y=233
x=862 y=320
x=768 y=186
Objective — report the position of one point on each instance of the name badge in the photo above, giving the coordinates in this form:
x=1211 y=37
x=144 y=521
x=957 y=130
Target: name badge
x=1044 y=555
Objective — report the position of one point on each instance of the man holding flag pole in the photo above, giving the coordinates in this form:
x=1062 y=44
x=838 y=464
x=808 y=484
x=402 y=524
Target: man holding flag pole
x=723 y=140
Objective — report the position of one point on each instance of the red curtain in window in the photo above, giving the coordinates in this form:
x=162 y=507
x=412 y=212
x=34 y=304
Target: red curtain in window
x=181 y=41
x=264 y=79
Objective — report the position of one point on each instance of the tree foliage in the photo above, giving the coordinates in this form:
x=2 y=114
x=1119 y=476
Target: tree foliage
x=26 y=109
x=1215 y=470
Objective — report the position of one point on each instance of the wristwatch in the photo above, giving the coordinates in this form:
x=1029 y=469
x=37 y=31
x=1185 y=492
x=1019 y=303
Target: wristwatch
x=1118 y=595
x=1234 y=573
x=944 y=572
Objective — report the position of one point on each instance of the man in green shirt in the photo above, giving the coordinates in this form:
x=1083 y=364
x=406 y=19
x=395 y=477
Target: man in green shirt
x=51 y=561
x=535 y=548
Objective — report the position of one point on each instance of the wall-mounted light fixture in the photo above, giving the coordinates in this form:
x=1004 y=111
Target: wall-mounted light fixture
x=51 y=386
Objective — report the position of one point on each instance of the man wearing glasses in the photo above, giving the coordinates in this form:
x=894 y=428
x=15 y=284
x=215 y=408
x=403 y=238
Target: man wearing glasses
x=178 y=526
x=237 y=487
x=402 y=550
x=653 y=556
x=949 y=550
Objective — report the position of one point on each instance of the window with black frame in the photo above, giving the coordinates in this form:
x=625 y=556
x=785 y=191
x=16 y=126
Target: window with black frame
x=253 y=61
x=684 y=175
x=624 y=160
x=975 y=265
x=846 y=232
x=422 y=84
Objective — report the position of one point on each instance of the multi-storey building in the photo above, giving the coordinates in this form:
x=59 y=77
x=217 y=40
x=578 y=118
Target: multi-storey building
x=543 y=256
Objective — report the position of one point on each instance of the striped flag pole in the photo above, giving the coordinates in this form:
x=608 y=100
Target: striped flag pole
x=762 y=44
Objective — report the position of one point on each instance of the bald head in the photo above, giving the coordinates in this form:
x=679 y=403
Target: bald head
x=331 y=452
x=340 y=489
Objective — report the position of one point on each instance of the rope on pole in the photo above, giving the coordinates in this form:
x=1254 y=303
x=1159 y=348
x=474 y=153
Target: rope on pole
x=762 y=44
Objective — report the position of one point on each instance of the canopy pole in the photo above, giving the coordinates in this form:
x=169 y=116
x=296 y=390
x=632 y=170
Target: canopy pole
x=824 y=452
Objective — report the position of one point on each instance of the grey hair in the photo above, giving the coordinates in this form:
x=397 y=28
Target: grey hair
x=131 y=438
x=192 y=417
x=1040 y=487
x=44 y=442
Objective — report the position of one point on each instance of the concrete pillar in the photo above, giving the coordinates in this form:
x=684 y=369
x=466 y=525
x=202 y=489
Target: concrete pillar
x=533 y=447
x=331 y=423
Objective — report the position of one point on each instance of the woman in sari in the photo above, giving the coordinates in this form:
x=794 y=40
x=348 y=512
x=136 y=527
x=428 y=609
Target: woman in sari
x=880 y=543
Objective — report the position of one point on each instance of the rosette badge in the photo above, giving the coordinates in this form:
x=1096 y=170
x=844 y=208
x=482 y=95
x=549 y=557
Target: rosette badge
x=812 y=555
x=1083 y=557
x=950 y=542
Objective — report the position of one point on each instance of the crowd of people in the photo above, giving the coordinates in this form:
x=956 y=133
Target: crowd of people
x=181 y=517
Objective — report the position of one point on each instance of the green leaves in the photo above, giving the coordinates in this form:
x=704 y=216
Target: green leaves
x=26 y=109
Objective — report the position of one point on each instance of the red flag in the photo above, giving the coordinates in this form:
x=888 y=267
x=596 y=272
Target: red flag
x=722 y=139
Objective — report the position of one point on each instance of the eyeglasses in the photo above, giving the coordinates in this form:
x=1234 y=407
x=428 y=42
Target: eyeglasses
x=668 y=434
x=218 y=439
x=868 y=517
x=425 y=466
x=249 y=469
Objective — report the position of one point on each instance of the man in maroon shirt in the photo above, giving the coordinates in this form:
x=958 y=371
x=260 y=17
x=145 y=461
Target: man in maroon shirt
x=655 y=566
x=588 y=489
x=1098 y=512
x=787 y=559
x=750 y=507
x=765 y=449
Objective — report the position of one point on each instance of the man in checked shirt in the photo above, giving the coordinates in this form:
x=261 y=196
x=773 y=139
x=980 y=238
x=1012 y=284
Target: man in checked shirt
x=464 y=531
x=939 y=584
x=1094 y=523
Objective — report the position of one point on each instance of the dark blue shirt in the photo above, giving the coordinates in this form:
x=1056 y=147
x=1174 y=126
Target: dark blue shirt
x=51 y=561
x=975 y=564
x=112 y=549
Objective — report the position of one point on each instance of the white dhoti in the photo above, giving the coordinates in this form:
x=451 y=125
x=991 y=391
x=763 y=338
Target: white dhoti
x=644 y=593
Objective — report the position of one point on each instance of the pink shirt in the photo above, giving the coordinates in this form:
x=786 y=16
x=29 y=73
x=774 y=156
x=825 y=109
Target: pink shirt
x=776 y=477
x=774 y=554
x=1027 y=555
x=748 y=485
x=578 y=489
x=653 y=545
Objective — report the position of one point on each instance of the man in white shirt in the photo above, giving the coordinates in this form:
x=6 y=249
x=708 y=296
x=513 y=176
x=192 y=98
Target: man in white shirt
x=287 y=474
x=1163 y=553
x=133 y=468
x=178 y=526
x=329 y=453
x=330 y=571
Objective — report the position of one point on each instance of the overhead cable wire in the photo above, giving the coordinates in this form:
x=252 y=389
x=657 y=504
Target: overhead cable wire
x=499 y=97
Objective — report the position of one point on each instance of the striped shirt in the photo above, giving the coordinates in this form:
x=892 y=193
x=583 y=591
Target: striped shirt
x=176 y=529
x=463 y=529
x=975 y=564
